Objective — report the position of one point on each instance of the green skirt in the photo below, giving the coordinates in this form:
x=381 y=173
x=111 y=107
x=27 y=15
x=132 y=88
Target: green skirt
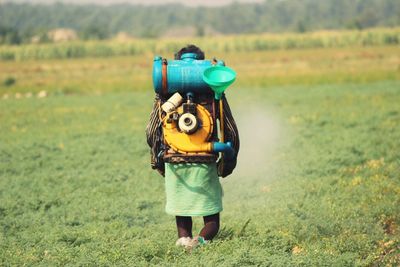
x=193 y=189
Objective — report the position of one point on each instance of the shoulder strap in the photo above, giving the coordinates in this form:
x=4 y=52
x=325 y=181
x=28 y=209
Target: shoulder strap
x=155 y=137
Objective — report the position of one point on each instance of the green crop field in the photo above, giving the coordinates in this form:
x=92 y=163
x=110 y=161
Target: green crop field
x=317 y=182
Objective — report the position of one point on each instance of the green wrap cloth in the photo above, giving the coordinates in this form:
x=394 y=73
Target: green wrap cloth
x=193 y=189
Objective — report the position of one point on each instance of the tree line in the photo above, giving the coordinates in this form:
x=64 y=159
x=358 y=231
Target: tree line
x=20 y=22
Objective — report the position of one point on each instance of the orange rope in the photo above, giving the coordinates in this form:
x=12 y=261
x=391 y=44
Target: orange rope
x=221 y=120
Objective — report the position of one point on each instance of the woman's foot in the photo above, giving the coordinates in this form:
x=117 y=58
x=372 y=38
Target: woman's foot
x=184 y=241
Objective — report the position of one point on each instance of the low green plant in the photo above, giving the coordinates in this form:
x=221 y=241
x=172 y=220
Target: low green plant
x=316 y=185
x=9 y=81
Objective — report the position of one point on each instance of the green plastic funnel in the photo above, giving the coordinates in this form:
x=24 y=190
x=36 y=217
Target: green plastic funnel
x=219 y=78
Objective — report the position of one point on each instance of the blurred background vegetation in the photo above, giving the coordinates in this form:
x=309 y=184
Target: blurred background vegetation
x=27 y=23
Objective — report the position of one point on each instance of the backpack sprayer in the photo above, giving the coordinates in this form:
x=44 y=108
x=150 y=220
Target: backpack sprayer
x=188 y=126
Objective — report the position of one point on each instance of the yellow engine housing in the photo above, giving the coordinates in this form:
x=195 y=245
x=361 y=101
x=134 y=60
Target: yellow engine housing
x=196 y=142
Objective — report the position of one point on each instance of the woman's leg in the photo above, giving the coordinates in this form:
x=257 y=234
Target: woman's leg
x=211 y=226
x=184 y=225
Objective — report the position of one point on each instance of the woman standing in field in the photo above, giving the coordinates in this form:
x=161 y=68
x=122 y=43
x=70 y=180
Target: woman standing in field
x=191 y=180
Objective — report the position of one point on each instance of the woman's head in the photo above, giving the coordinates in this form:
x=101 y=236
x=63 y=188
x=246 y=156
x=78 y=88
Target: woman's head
x=190 y=48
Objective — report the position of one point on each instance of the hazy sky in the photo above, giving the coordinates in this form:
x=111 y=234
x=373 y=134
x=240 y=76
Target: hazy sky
x=143 y=2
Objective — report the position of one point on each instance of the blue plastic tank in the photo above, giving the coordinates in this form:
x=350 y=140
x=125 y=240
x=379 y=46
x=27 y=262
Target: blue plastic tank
x=183 y=76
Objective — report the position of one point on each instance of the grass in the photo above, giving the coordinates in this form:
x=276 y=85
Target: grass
x=215 y=44
x=317 y=183
x=256 y=69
